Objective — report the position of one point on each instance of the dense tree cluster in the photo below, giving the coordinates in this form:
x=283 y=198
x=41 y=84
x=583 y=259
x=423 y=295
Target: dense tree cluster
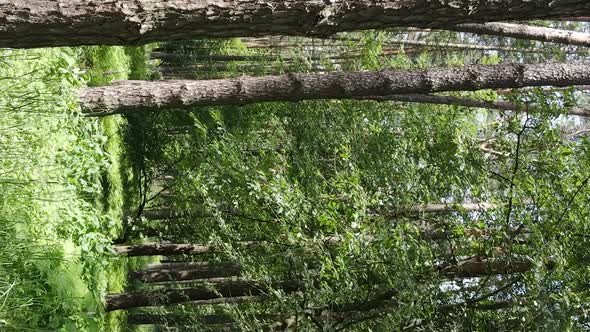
x=342 y=180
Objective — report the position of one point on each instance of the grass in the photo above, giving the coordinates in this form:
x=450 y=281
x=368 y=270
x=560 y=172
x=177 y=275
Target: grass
x=63 y=180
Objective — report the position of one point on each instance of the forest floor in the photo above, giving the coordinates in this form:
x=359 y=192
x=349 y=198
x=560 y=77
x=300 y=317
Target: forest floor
x=63 y=180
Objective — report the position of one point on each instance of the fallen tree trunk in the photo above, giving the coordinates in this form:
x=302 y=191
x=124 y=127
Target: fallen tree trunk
x=136 y=96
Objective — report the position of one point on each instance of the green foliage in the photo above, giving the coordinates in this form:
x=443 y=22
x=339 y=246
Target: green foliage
x=326 y=189
x=57 y=220
x=333 y=193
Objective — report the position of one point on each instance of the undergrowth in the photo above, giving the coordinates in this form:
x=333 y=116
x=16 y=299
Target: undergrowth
x=62 y=182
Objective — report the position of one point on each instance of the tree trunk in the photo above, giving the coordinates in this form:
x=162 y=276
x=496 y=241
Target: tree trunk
x=449 y=100
x=180 y=265
x=170 y=57
x=180 y=319
x=443 y=208
x=437 y=45
x=134 y=96
x=479 y=266
x=160 y=214
x=527 y=32
x=172 y=296
x=170 y=249
x=213 y=271
x=153 y=249
x=39 y=23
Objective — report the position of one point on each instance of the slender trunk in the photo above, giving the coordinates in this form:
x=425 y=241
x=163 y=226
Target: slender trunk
x=427 y=44
x=527 y=32
x=180 y=265
x=39 y=23
x=161 y=214
x=479 y=266
x=443 y=208
x=180 y=319
x=172 y=296
x=213 y=271
x=229 y=300
x=134 y=96
x=153 y=249
x=575 y=19
x=207 y=57
x=467 y=102
x=578 y=87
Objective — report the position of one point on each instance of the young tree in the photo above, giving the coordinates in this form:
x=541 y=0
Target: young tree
x=38 y=23
x=466 y=102
x=217 y=270
x=136 y=96
x=168 y=296
x=526 y=32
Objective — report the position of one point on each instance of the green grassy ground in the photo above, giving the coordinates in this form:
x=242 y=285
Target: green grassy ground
x=62 y=180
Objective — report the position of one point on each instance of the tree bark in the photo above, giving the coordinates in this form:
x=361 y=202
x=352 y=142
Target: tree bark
x=160 y=214
x=522 y=31
x=40 y=23
x=180 y=265
x=180 y=319
x=134 y=96
x=467 y=102
x=442 y=208
x=170 y=249
x=172 y=296
x=478 y=266
x=153 y=249
x=170 y=57
x=213 y=271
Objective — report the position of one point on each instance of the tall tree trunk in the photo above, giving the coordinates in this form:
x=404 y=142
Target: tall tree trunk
x=180 y=265
x=133 y=96
x=437 y=45
x=442 y=208
x=153 y=249
x=212 y=271
x=180 y=319
x=207 y=57
x=38 y=23
x=161 y=214
x=521 y=31
x=467 y=102
x=172 y=296
x=478 y=266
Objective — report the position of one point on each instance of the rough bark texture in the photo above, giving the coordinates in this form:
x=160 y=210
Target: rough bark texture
x=187 y=319
x=161 y=214
x=449 y=100
x=180 y=265
x=152 y=249
x=170 y=249
x=480 y=266
x=176 y=319
x=172 y=296
x=213 y=271
x=441 y=208
x=527 y=32
x=38 y=23
x=133 y=96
